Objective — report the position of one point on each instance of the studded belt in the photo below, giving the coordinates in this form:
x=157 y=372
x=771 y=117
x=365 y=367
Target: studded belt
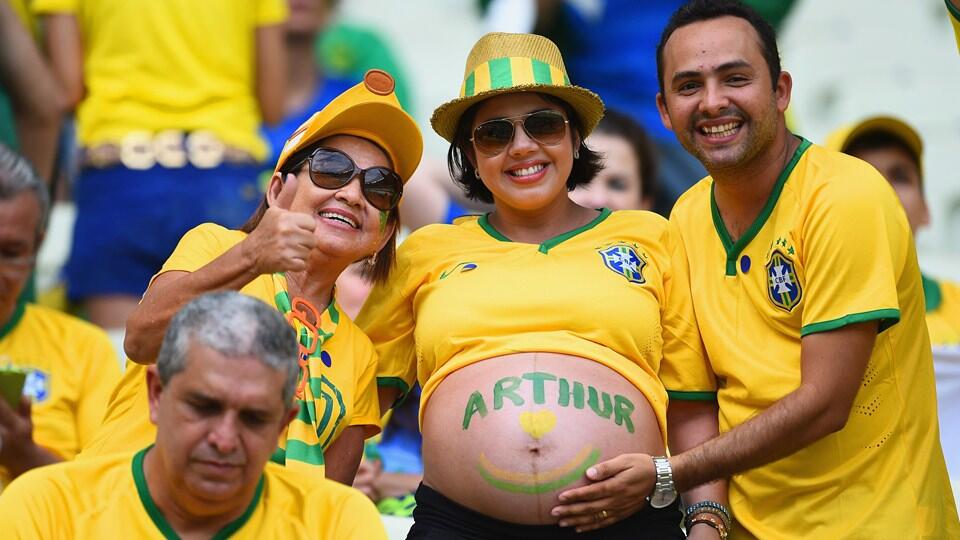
x=172 y=149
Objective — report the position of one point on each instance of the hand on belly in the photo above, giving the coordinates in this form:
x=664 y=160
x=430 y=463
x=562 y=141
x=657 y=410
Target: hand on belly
x=506 y=435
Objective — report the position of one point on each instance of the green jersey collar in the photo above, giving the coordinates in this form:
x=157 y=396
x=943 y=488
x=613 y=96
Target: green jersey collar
x=14 y=320
x=140 y=480
x=732 y=248
x=547 y=245
x=931 y=293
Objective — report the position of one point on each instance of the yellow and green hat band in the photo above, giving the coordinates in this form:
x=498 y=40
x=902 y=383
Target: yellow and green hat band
x=510 y=72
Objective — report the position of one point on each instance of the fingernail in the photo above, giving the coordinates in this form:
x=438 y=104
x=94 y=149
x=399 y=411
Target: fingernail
x=592 y=471
x=564 y=523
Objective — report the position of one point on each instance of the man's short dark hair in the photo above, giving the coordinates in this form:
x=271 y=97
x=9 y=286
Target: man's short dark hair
x=705 y=10
x=464 y=174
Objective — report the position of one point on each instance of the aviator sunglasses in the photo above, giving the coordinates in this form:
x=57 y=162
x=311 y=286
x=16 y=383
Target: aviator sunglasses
x=546 y=127
x=332 y=169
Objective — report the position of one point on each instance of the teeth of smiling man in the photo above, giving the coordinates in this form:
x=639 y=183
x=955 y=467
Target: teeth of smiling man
x=527 y=171
x=340 y=217
x=723 y=130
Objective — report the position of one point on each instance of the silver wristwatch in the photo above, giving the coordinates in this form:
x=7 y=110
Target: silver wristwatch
x=664 y=492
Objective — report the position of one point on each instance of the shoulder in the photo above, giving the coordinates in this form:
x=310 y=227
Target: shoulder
x=828 y=173
x=324 y=495
x=432 y=239
x=66 y=327
x=693 y=200
x=213 y=231
x=70 y=480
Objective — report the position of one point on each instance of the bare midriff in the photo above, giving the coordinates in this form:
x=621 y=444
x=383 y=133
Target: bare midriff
x=506 y=435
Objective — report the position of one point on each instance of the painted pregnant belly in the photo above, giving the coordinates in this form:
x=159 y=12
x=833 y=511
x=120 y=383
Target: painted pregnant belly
x=505 y=437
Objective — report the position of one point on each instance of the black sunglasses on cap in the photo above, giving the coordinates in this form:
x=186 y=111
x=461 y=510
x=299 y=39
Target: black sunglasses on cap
x=333 y=169
x=546 y=127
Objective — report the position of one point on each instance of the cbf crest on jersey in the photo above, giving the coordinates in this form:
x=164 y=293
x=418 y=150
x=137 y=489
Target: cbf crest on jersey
x=782 y=283
x=623 y=259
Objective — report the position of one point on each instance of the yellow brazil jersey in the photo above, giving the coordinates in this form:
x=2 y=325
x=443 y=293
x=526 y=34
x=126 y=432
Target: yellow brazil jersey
x=942 y=300
x=108 y=497
x=831 y=247
x=341 y=389
x=72 y=369
x=177 y=64
x=614 y=291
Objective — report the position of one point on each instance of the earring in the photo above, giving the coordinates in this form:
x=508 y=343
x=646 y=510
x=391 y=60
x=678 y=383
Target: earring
x=576 y=152
x=476 y=173
x=372 y=260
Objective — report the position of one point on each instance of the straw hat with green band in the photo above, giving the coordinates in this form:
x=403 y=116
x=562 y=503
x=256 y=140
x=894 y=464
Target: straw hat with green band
x=503 y=63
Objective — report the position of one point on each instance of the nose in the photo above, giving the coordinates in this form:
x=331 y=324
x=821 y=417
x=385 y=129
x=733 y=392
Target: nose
x=521 y=144
x=352 y=193
x=714 y=99
x=224 y=436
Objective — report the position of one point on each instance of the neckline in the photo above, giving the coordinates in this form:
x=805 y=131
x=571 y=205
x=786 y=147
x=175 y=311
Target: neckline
x=18 y=310
x=550 y=243
x=734 y=249
x=143 y=490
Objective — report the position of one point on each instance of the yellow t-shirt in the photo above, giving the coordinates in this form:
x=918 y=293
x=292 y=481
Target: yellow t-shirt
x=108 y=497
x=73 y=367
x=831 y=247
x=342 y=390
x=175 y=64
x=614 y=291
x=943 y=312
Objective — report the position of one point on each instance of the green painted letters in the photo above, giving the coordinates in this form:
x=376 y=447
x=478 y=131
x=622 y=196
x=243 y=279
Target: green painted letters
x=593 y=400
x=564 y=389
x=475 y=404
x=538 y=377
x=501 y=390
x=623 y=408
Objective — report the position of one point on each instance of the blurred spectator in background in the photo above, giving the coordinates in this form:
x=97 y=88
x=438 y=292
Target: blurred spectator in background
x=169 y=97
x=628 y=179
x=31 y=107
x=71 y=366
x=895 y=149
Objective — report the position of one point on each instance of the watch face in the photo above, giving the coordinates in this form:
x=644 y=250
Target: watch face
x=662 y=499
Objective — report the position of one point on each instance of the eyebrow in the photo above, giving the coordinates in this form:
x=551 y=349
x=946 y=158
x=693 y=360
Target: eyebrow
x=733 y=64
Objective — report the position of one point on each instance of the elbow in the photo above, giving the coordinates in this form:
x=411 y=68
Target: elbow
x=70 y=97
x=135 y=346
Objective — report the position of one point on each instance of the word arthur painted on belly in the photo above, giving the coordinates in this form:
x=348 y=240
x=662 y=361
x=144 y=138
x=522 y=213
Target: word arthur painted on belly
x=563 y=391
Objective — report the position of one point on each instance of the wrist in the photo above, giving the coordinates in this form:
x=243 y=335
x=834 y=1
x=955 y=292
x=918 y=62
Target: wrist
x=664 y=490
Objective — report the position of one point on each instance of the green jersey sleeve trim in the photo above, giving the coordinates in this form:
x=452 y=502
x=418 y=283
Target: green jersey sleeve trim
x=732 y=248
x=692 y=396
x=887 y=318
x=953 y=10
x=395 y=382
x=932 y=297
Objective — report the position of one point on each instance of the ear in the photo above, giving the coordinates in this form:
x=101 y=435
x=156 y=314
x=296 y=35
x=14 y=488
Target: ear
x=154 y=390
x=575 y=138
x=274 y=188
x=662 y=109
x=783 y=91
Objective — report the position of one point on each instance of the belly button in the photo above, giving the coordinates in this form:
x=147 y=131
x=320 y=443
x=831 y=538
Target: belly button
x=534 y=448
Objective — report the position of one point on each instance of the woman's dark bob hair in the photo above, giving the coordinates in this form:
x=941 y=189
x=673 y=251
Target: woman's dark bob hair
x=376 y=272
x=585 y=167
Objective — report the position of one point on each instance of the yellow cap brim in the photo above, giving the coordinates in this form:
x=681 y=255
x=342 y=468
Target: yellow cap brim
x=841 y=138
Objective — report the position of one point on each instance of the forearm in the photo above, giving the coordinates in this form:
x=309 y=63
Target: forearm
x=31 y=457
x=171 y=291
x=342 y=457
x=271 y=67
x=786 y=427
x=65 y=50
x=690 y=424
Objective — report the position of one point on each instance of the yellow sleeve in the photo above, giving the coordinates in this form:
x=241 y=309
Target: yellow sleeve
x=271 y=12
x=684 y=369
x=847 y=252
x=353 y=516
x=27 y=515
x=198 y=247
x=101 y=375
x=954 y=12
x=46 y=7
x=366 y=405
x=388 y=320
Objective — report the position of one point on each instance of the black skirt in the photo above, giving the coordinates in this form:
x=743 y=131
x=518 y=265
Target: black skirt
x=438 y=518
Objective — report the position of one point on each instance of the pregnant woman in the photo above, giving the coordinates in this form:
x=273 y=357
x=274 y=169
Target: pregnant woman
x=544 y=334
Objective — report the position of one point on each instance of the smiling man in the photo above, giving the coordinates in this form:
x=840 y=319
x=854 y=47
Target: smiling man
x=805 y=282
x=221 y=393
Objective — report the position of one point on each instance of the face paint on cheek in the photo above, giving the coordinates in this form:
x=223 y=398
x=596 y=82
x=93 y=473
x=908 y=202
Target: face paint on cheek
x=383 y=221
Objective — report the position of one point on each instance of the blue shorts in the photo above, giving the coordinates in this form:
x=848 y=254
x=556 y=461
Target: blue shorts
x=129 y=221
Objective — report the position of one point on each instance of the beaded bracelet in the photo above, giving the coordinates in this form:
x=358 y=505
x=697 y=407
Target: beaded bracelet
x=712 y=507
x=709 y=519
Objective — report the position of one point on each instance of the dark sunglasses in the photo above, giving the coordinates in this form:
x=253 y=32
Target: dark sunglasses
x=332 y=169
x=546 y=127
